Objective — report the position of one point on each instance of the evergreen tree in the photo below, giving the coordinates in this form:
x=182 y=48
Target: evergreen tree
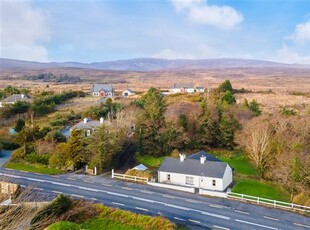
x=225 y=86
x=151 y=122
x=20 y=124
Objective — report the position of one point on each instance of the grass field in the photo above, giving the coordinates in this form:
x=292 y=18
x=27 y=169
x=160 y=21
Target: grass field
x=92 y=224
x=32 y=168
x=149 y=161
x=261 y=189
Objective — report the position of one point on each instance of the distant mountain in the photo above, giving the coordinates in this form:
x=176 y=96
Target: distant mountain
x=150 y=64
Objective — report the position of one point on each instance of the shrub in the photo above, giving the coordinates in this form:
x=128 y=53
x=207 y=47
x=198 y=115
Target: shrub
x=35 y=158
x=59 y=206
x=138 y=173
x=55 y=136
x=18 y=154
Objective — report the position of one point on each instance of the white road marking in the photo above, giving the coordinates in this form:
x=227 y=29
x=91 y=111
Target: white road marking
x=107 y=185
x=54 y=176
x=143 y=199
x=217 y=206
x=87 y=181
x=89 y=189
x=116 y=194
x=260 y=225
x=33 y=179
x=168 y=196
x=23 y=171
x=61 y=184
x=9 y=169
x=120 y=204
x=177 y=218
x=302 y=225
x=142 y=209
x=220 y=227
x=8 y=175
x=144 y=191
x=38 y=173
x=126 y=188
x=243 y=212
x=40 y=189
x=194 y=221
x=215 y=215
x=192 y=201
x=270 y=218
x=77 y=195
x=69 y=178
x=176 y=206
x=93 y=198
x=56 y=192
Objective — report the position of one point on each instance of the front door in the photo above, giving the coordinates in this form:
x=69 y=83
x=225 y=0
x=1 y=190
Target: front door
x=201 y=183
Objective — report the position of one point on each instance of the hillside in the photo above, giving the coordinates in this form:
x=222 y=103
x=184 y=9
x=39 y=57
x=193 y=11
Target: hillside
x=150 y=64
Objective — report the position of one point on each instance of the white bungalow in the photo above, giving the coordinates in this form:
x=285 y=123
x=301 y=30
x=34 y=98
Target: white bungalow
x=128 y=92
x=87 y=125
x=200 y=170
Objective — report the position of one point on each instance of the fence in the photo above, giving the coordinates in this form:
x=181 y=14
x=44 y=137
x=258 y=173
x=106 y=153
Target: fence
x=128 y=177
x=274 y=203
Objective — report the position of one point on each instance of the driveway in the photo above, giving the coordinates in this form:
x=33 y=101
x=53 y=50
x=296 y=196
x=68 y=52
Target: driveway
x=5 y=156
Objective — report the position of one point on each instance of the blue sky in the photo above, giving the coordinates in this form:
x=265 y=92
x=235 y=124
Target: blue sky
x=90 y=31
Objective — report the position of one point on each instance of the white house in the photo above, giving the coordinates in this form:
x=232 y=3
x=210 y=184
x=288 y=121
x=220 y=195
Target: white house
x=199 y=89
x=182 y=88
x=128 y=92
x=200 y=170
x=87 y=125
x=102 y=90
x=14 y=98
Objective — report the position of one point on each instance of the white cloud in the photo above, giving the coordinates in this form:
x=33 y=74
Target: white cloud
x=199 y=11
x=302 y=33
x=201 y=51
x=287 y=55
x=23 y=31
x=172 y=54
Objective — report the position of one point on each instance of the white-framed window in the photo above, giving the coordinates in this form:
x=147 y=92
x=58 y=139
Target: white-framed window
x=88 y=132
x=168 y=177
x=213 y=182
x=189 y=180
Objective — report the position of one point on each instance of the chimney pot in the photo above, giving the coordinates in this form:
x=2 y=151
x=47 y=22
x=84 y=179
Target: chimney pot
x=101 y=120
x=85 y=120
x=203 y=159
x=182 y=157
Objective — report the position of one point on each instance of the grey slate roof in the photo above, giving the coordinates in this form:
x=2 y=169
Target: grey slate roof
x=209 y=157
x=88 y=125
x=105 y=87
x=182 y=85
x=16 y=97
x=214 y=167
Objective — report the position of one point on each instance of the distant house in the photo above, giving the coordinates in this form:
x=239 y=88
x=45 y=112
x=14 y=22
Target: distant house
x=128 y=92
x=87 y=125
x=182 y=88
x=14 y=98
x=200 y=170
x=102 y=90
x=199 y=89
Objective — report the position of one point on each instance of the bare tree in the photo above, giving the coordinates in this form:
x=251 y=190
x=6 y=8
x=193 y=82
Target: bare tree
x=256 y=138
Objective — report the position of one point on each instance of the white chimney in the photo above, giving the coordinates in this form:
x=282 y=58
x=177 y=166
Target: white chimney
x=101 y=120
x=85 y=120
x=182 y=157
x=22 y=95
x=203 y=159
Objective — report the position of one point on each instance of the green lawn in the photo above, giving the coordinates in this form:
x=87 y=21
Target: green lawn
x=238 y=161
x=32 y=168
x=149 y=161
x=92 y=224
x=262 y=189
